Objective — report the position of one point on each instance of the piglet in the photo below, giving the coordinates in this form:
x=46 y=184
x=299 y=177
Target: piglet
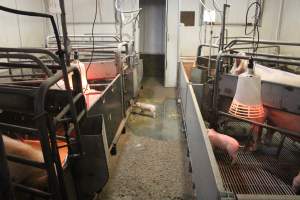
x=296 y=183
x=224 y=142
x=20 y=173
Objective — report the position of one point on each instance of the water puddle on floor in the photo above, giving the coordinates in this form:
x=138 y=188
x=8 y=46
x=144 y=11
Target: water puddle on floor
x=165 y=126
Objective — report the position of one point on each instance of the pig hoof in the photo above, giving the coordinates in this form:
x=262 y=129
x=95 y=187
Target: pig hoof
x=253 y=148
x=267 y=141
x=113 y=150
x=124 y=130
x=233 y=162
x=190 y=167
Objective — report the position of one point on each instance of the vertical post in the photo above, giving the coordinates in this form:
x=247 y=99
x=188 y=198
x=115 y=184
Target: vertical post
x=214 y=121
x=222 y=34
x=65 y=32
x=5 y=183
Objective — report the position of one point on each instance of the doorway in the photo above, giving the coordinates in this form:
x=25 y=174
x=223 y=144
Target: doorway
x=152 y=38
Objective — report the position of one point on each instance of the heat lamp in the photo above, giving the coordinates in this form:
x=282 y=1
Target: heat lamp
x=247 y=102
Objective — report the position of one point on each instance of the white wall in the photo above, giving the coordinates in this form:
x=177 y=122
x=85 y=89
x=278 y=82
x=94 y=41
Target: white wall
x=191 y=37
x=22 y=31
x=290 y=26
x=80 y=15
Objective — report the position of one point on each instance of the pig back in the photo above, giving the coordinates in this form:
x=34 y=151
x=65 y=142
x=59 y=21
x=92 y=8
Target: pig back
x=284 y=120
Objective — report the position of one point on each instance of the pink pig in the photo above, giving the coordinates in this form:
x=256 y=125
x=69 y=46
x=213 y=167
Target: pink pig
x=296 y=183
x=224 y=142
x=21 y=173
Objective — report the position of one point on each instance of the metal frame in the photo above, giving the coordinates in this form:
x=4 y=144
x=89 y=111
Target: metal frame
x=203 y=161
x=44 y=123
x=205 y=173
x=280 y=60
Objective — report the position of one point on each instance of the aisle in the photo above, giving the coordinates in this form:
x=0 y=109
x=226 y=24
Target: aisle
x=151 y=162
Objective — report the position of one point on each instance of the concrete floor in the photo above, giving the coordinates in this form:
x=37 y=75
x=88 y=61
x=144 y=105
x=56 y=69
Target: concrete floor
x=151 y=162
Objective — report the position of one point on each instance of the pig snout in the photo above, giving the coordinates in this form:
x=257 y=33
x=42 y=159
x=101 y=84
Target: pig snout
x=224 y=142
x=296 y=183
x=21 y=173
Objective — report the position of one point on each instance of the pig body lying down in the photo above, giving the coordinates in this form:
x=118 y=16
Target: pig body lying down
x=224 y=142
x=27 y=175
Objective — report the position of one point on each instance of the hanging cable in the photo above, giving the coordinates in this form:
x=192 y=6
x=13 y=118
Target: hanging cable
x=205 y=6
x=216 y=6
x=257 y=18
x=93 y=43
x=122 y=11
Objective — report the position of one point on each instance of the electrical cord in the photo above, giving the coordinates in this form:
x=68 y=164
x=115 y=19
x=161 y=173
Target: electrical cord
x=132 y=19
x=257 y=18
x=203 y=4
x=122 y=11
x=93 y=44
x=216 y=7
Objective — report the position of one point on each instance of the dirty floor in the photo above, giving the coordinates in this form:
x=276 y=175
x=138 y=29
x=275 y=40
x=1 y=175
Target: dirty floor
x=151 y=160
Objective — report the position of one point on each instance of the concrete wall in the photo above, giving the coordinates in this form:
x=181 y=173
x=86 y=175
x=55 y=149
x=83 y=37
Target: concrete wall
x=288 y=25
x=22 y=31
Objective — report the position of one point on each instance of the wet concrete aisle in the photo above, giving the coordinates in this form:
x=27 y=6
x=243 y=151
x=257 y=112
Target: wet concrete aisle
x=151 y=162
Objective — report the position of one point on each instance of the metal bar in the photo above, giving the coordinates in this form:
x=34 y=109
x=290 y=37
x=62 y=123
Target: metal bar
x=25 y=75
x=274 y=56
x=26 y=162
x=12 y=89
x=31 y=50
x=67 y=107
x=282 y=131
x=25 y=65
x=234 y=42
x=56 y=158
x=96 y=35
x=31 y=57
x=19 y=128
x=31 y=190
x=216 y=92
x=53 y=183
x=66 y=40
x=259 y=47
x=279 y=61
x=222 y=34
x=39 y=107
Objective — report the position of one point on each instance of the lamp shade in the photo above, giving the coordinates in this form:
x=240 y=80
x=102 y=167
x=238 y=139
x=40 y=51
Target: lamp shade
x=247 y=100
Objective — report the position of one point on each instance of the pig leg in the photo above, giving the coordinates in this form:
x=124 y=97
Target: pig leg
x=256 y=136
x=233 y=154
x=268 y=137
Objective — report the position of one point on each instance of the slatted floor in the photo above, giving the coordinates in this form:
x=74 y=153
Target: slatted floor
x=261 y=172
